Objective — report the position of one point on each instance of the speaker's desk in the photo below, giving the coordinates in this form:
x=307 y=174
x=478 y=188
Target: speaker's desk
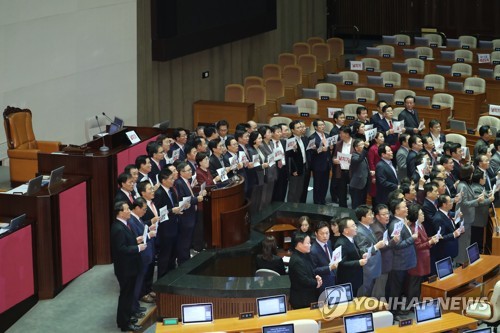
x=255 y=324
x=448 y=322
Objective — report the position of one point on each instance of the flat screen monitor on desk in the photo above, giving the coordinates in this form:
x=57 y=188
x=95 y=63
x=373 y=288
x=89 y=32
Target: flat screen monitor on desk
x=421 y=41
x=272 y=305
x=56 y=176
x=15 y=223
x=458 y=125
x=375 y=80
x=426 y=311
x=337 y=294
x=453 y=43
x=360 y=323
x=473 y=253
x=386 y=40
x=197 y=313
x=116 y=125
x=34 y=185
x=444 y=268
x=282 y=328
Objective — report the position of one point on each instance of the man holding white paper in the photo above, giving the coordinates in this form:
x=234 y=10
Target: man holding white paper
x=410 y=117
x=341 y=170
x=321 y=255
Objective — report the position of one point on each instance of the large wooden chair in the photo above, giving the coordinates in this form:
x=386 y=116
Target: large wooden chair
x=22 y=146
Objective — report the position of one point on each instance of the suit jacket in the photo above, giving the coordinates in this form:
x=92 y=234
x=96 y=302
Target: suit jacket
x=257 y=171
x=321 y=264
x=271 y=173
x=318 y=161
x=175 y=146
x=338 y=149
x=214 y=164
x=456 y=169
x=401 y=156
x=468 y=203
x=124 y=251
x=360 y=173
x=170 y=227
x=411 y=167
x=495 y=162
x=302 y=280
x=349 y=269
x=411 y=120
x=138 y=228
x=386 y=180
x=365 y=239
x=405 y=256
x=376 y=118
x=386 y=252
x=480 y=143
x=429 y=210
x=383 y=126
x=188 y=217
x=483 y=209
x=450 y=185
x=155 y=170
x=120 y=196
x=295 y=160
x=448 y=246
x=422 y=247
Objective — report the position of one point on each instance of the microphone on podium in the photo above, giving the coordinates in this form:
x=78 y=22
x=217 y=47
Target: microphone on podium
x=103 y=148
x=110 y=120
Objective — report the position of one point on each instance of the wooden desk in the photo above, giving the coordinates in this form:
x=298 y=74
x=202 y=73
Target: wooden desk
x=471 y=138
x=255 y=324
x=473 y=281
x=495 y=241
x=280 y=232
x=449 y=322
x=398 y=50
x=213 y=111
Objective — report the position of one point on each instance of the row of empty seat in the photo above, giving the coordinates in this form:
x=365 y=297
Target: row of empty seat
x=436 y=39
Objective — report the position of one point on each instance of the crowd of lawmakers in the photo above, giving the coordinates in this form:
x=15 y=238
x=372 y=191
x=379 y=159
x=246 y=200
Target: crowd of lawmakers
x=419 y=185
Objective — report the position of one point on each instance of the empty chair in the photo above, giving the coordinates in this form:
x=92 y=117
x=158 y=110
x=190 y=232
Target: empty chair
x=424 y=51
x=387 y=49
x=279 y=120
x=234 y=92
x=396 y=112
x=286 y=59
x=350 y=76
x=257 y=96
x=485 y=73
x=410 y=53
x=466 y=55
x=447 y=55
x=496 y=71
x=434 y=39
x=400 y=94
x=476 y=84
x=301 y=48
x=93 y=125
x=304 y=325
x=402 y=38
x=457 y=138
x=336 y=50
x=271 y=70
x=496 y=44
x=443 y=100
x=468 y=41
x=415 y=64
x=373 y=51
x=462 y=69
x=488 y=120
x=292 y=78
x=400 y=67
x=253 y=81
x=350 y=110
x=486 y=311
x=275 y=94
x=391 y=78
x=315 y=40
x=325 y=64
x=307 y=105
x=443 y=70
x=495 y=57
x=327 y=89
x=308 y=64
x=372 y=63
x=264 y=272
x=366 y=93
x=434 y=80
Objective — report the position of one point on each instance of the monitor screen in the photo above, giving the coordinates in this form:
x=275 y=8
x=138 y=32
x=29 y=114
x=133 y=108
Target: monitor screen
x=282 y=328
x=267 y=306
x=410 y=53
x=116 y=125
x=421 y=41
x=453 y=43
x=359 y=323
x=347 y=94
x=399 y=67
x=480 y=330
x=340 y=293
x=56 y=176
x=426 y=311
x=473 y=253
x=444 y=268
x=422 y=100
x=34 y=185
x=197 y=313
x=458 y=125
x=389 y=39
x=373 y=51
x=375 y=80
x=16 y=222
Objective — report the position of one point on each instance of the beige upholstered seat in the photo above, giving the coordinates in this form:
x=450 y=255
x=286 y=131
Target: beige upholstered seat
x=387 y=49
x=279 y=120
x=463 y=69
x=337 y=51
x=315 y=40
x=275 y=94
x=469 y=41
x=402 y=38
x=292 y=78
x=496 y=43
x=444 y=100
x=486 y=311
x=253 y=81
x=397 y=111
x=301 y=48
x=457 y=138
x=309 y=68
x=350 y=76
x=425 y=51
x=327 y=89
x=287 y=59
x=367 y=93
x=467 y=55
x=371 y=63
x=400 y=94
x=434 y=38
x=324 y=61
x=391 y=77
x=234 y=92
x=434 y=80
x=257 y=95
x=415 y=64
x=350 y=109
x=495 y=56
x=271 y=70
x=488 y=120
x=476 y=84
x=496 y=71
x=307 y=105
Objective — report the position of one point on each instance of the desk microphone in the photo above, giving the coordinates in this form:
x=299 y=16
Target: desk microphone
x=103 y=148
x=110 y=120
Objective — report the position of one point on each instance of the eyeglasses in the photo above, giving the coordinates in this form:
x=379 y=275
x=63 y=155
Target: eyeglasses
x=187 y=170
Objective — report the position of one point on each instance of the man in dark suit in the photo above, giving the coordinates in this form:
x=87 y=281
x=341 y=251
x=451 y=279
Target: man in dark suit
x=340 y=171
x=384 y=125
x=402 y=154
x=350 y=269
x=126 y=191
x=429 y=148
x=319 y=162
x=448 y=245
x=360 y=174
x=429 y=206
x=180 y=136
x=385 y=173
x=379 y=115
x=450 y=180
x=166 y=238
x=410 y=116
x=456 y=155
x=125 y=248
x=339 y=120
x=281 y=185
x=157 y=159
x=436 y=135
x=297 y=162
x=367 y=242
x=303 y=281
x=415 y=143
x=484 y=141
x=143 y=164
x=321 y=254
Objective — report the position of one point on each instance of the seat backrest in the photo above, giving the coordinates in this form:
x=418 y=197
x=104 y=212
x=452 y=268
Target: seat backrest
x=495 y=297
x=488 y=120
x=434 y=80
x=387 y=49
x=350 y=76
x=457 y=138
x=91 y=123
x=256 y=94
x=279 y=120
x=371 y=63
x=415 y=64
x=496 y=71
x=315 y=40
x=469 y=41
x=463 y=69
x=271 y=70
x=264 y=272
x=464 y=54
x=400 y=94
x=253 y=81
x=434 y=38
x=397 y=111
x=286 y=59
x=307 y=105
x=19 y=128
x=367 y=93
x=496 y=44
x=336 y=46
x=350 y=109
x=304 y=325
x=402 y=38
x=275 y=88
x=495 y=56
x=301 y=48
x=444 y=100
x=477 y=84
x=292 y=75
x=327 y=89
x=382 y=319
x=425 y=51
x=391 y=77
x=308 y=63
x=321 y=51
x=234 y=92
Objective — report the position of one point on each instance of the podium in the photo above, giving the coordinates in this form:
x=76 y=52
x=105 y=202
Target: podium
x=226 y=217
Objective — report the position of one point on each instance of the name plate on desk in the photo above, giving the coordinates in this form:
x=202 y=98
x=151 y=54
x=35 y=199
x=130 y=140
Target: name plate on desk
x=429 y=88
x=466 y=47
x=412 y=71
x=370 y=69
x=405 y=322
x=496 y=62
x=465 y=264
x=457 y=74
x=389 y=85
x=349 y=117
x=386 y=55
x=304 y=114
x=246 y=315
x=468 y=91
x=460 y=59
x=497 y=78
x=316 y=305
x=325 y=98
x=432 y=279
x=400 y=103
x=362 y=100
x=170 y=321
x=436 y=106
x=401 y=43
x=422 y=57
x=348 y=83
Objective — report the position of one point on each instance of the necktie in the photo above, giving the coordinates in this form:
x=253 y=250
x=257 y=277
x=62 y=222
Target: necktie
x=390 y=124
x=130 y=197
x=326 y=251
x=128 y=226
x=169 y=193
x=323 y=139
x=153 y=208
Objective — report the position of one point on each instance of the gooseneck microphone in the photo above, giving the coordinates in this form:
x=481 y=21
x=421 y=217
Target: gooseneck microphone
x=110 y=120
x=103 y=148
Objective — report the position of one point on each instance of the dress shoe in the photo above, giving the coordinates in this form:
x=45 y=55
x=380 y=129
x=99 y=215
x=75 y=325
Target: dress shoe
x=147 y=299
x=131 y=328
x=133 y=320
x=142 y=309
x=138 y=315
x=152 y=294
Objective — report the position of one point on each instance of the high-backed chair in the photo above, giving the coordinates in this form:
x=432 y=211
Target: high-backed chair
x=350 y=109
x=496 y=71
x=371 y=63
x=304 y=325
x=387 y=49
x=94 y=125
x=337 y=50
x=415 y=64
x=301 y=48
x=257 y=95
x=324 y=61
x=315 y=40
x=396 y=112
x=496 y=44
x=307 y=105
x=476 y=84
x=488 y=120
x=292 y=78
x=22 y=146
x=279 y=120
x=486 y=311
x=275 y=94
x=434 y=38
x=400 y=94
x=308 y=64
x=495 y=56
x=253 y=81
x=434 y=80
x=391 y=78
x=234 y=92
x=271 y=70
x=469 y=41
x=327 y=89
x=367 y=93
x=463 y=69
x=402 y=38
x=457 y=138
x=287 y=59
x=467 y=55
x=350 y=76
x=425 y=51
x=444 y=100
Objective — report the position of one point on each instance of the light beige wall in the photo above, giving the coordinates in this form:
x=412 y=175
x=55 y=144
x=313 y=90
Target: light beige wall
x=167 y=90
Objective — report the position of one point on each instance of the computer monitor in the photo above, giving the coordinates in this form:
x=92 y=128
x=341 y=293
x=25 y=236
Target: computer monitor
x=373 y=51
x=310 y=93
x=485 y=73
x=56 y=176
x=197 y=313
x=389 y=98
x=116 y=125
x=281 y=328
x=458 y=125
x=334 y=78
x=359 y=323
x=453 y=43
x=444 y=268
x=34 y=185
x=386 y=40
x=447 y=55
x=480 y=330
x=16 y=222
x=272 y=305
x=443 y=70
x=415 y=83
x=426 y=311
x=347 y=94
x=399 y=67
x=410 y=53
x=485 y=44
x=421 y=41
x=473 y=253
x=375 y=80
x=422 y=101
x=289 y=109
x=455 y=86
x=337 y=294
